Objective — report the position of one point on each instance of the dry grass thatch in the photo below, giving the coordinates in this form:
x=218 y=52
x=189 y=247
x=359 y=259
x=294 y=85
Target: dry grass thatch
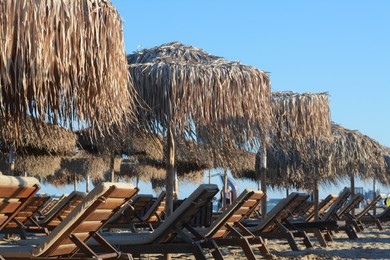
x=35 y=166
x=78 y=167
x=63 y=61
x=358 y=154
x=300 y=115
x=39 y=139
x=132 y=168
x=201 y=89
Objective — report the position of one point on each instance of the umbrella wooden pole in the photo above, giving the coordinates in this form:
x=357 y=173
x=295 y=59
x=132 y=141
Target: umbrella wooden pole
x=112 y=171
x=87 y=184
x=353 y=190
x=11 y=160
x=315 y=195
x=263 y=176
x=224 y=190
x=170 y=179
x=176 y=185
x=74 y=182
x=374 y=191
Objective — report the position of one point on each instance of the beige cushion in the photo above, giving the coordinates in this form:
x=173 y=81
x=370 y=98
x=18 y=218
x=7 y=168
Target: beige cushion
x=6 y=180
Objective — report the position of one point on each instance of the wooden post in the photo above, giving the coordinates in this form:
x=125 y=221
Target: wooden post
x=224 y=190
x=11 y=160
x=170 y=179
x=74 y=182
x=176 y=185
x=315 y=197
x=353 y=190
x=374 y=191
x=263 y=176
x=87 y=184
x=112 y=171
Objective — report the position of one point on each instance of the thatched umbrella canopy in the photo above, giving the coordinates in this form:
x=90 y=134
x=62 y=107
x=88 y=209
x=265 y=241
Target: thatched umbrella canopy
x=357 y=154
x=303 y=124
x=39 y=166
x=79 y=167
x=45 y=139
x=181 y=90
x=62 y=62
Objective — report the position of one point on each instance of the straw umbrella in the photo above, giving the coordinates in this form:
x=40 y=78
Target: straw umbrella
x=45 y=142
x=302 y=119
x=65 y=67
x=80 y=166
x=356 y=154
x=181 y=87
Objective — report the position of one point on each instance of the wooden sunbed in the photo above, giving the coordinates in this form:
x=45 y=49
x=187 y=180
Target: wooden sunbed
x=49 y=205
x=365 y=217
x=68 y=239
x=223 y=231
x=15 y=194
x=61 y=210
x=21 y=222
x=328 y=222
x=271 y=226
x=344 y=212
x=169 y=236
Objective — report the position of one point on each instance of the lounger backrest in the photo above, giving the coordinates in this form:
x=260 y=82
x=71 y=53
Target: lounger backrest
x=51 y=204
x=15 y=193
x=184 y=213
x=340 y=201
x=280 y=212
x=28 y=210
x=86 y=219
x=244 y=203
x=323 y=206
x=351 y=204
x=129 y=211
x=156 y=212
x=62 y=210
x=368 y=207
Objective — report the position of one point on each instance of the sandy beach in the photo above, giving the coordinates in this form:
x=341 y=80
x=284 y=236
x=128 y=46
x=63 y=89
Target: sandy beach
x=371 y=244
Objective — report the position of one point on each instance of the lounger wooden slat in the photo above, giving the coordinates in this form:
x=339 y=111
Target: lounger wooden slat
x=271 y=226
x=161 y=240
x=69 y=237
x=15 y=194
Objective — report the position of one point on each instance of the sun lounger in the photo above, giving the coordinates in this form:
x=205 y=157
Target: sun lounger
x=223 y=231
x=344 y=212
x=169 y=236
x=365 y=217
x=323 y=206
x=131 y=212
x=21 y=222
x=68 y=239
x=328 y=222
x=271 y=226
x=15 y=194
x=49 y=205
x=61 y=210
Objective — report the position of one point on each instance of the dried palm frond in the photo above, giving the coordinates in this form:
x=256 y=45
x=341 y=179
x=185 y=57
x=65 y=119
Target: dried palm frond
x=173 y=51
x=78 y=167
x=36 y=166
x=357 y=154
x=63 y=61
x=39 y=138
x=206 y=91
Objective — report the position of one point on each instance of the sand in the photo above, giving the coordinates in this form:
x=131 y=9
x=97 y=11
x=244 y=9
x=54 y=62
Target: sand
x=371 y=244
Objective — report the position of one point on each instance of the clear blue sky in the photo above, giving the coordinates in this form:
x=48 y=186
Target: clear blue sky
x=342 y=47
